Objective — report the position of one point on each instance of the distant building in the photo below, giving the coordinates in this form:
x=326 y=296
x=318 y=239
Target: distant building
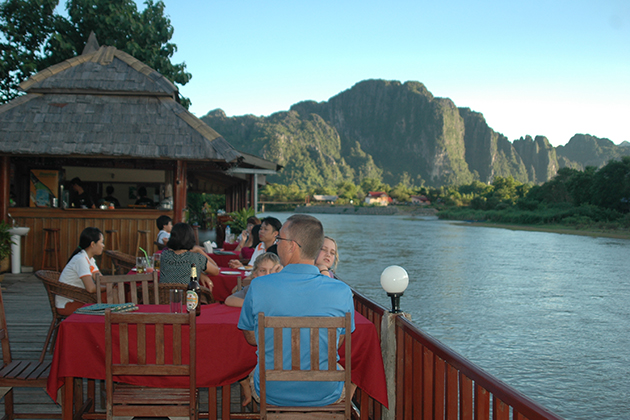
x=421 y=200
x=379 y=198
x=325 y=198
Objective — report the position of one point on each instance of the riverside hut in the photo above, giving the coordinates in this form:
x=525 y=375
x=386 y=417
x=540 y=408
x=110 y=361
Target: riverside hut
x=112 y=121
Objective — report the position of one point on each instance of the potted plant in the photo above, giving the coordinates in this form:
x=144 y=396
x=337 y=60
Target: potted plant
x=5 y=247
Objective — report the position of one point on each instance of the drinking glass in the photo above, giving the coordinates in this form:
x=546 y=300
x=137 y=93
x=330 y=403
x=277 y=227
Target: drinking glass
x=176 y=299
x=156 y=262
x=149 y=264
x=141 y=264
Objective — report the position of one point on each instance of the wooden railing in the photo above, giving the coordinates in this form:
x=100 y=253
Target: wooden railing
x=434 y=382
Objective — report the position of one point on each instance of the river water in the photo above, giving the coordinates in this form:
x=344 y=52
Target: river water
x=547 y=313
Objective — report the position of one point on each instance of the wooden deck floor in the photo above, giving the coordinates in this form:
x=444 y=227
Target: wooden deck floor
x=28 y=319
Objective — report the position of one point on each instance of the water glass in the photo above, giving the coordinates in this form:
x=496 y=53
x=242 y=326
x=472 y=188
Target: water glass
x=156 y=262
x=176 y=299
x=141 y=265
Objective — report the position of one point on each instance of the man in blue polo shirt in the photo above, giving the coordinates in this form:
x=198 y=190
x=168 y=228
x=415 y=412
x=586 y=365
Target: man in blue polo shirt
x=298 y=290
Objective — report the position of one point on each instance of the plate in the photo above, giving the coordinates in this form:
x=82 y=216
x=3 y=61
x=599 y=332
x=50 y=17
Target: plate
x=231 y=273
x=247 y=267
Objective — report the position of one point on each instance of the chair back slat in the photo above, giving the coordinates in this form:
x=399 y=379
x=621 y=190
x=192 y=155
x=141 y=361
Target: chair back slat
x=117 y=286
x=276 y=326
x=4 y=333
x=150 y=357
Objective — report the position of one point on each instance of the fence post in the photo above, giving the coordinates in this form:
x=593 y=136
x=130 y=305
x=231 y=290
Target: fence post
x=388 y=347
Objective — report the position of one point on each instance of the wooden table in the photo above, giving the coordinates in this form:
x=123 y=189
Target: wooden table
x=223 y=355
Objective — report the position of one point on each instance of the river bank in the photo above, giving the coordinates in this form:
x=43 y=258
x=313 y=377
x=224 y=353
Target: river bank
x=373 y=211
x=568 y=230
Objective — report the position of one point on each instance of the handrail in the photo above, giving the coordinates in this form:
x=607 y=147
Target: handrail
x=433 y=381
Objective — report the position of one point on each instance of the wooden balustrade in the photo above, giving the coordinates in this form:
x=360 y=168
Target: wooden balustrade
x=434 y=382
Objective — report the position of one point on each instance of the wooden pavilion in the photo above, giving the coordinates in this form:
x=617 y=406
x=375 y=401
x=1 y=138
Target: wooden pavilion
x=110 y=119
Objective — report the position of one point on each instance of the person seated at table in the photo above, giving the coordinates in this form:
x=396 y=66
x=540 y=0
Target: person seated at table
x=109 y=198
x=143 y=200
x=80 y=268
x=165 y=224
x=266 y=263
x=245 y=238
x=298 y=290
x=328 y=257
x=269 y=229
x=175 y=261
x=248 y=251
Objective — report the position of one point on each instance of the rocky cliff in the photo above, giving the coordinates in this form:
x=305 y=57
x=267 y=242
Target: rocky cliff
x=383 y=129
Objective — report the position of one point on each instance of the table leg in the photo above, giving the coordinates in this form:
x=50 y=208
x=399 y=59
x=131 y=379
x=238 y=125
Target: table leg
x=68 y=398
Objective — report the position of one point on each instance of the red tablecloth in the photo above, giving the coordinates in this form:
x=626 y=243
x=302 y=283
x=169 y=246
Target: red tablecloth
x=224 y=258
x=223 y=355
x=225 y=283
x=229 y=247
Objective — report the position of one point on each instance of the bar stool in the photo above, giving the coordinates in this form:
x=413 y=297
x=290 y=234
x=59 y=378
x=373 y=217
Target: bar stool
x=51 y=248
x=144 y=236
x=112 y=242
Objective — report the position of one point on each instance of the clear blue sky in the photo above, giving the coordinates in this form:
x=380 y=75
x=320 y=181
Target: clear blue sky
x=552 y=68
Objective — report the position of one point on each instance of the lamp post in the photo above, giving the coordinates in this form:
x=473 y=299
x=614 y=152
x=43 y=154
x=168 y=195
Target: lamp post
x=394 y=281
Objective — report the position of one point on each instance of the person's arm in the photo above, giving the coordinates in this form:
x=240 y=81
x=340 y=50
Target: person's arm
x=235 y=264
x=88 y=282
x=323 y=270
x=212 y=268
x=250 y=337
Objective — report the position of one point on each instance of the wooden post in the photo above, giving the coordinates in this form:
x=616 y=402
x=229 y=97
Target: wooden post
x=179 y=191
x=5 y=186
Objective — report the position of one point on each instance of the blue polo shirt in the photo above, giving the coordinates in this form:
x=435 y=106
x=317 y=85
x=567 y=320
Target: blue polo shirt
x=298 y=290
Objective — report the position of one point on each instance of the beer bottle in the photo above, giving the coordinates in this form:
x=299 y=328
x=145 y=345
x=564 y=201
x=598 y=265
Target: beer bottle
x=192 y=292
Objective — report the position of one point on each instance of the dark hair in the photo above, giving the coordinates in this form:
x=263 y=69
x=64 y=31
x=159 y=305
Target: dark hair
x=253 y=220
x=109 y=190
x=76 y=181
x=142 y=192
x=162 y=221
x=308 y=232
x=89 y=235
x=273 y=222
x=182 y=237
x=255 y=237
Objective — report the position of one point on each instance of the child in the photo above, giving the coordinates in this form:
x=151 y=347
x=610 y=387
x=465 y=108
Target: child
x=165 y=224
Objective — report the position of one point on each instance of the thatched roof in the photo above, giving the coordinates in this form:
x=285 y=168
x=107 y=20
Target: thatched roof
x=105 y=103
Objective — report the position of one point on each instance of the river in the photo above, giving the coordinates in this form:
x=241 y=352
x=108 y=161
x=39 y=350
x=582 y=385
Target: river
x=547 y=313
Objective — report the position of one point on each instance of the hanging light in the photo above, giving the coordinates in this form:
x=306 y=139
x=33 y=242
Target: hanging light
x=394 y=281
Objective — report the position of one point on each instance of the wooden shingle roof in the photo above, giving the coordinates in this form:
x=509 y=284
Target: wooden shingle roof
x=106 y=103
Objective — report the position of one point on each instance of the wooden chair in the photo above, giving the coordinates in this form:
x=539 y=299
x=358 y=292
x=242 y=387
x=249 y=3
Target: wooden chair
x=20 y=374
x=54 y=288
x=341 y=410
x=129 y=400
x=164 y=293
x=147 y=283
x=123 y=263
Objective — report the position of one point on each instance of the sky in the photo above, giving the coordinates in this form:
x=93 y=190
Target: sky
x=538 y=67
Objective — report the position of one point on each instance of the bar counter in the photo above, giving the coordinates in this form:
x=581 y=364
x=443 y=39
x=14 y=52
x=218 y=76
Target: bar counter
x=71 y=222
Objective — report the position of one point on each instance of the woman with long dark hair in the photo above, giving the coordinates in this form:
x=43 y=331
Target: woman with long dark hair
x=80 y=268
x=181 y=253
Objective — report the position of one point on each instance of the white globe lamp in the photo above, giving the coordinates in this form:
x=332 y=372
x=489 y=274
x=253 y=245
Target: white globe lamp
x=394 y=281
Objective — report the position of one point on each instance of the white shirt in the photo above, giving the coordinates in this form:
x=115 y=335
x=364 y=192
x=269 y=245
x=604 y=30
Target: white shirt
x=80 y=265
x=260 y=248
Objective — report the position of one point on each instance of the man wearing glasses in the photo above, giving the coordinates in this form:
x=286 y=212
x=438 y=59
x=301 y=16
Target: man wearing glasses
x=298 y=290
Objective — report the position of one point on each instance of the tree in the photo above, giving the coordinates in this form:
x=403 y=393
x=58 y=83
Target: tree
x=611 y=185
x=25 y=27
x=42 y=38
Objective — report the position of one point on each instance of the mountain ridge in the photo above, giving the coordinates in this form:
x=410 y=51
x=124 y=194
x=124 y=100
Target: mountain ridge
x=390 y=130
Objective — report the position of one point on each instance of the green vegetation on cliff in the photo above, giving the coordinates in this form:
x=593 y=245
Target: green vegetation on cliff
x=384 y=129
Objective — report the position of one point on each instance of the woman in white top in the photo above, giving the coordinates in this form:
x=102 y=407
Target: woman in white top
x=80 y=269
